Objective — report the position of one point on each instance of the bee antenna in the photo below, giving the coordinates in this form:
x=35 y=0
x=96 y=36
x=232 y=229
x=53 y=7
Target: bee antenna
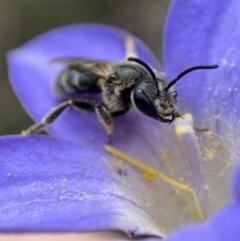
x=173 y=82
x=139 y=61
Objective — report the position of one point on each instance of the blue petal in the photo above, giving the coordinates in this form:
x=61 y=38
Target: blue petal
x=224 y=226
x=52 y=185
x=205 y=32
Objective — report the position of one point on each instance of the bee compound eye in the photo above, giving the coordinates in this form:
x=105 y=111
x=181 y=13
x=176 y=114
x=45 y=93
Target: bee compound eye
x=143 y=103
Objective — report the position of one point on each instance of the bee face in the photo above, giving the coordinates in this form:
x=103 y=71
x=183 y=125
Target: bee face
x=165 y=102
x=164 y=105
x=155 y=97
x=153 y=103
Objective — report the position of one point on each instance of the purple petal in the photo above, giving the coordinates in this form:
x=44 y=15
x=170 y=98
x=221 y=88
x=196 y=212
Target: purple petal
x=224 y=226
x=32 y=74
x=53 y=185
x=205 y=32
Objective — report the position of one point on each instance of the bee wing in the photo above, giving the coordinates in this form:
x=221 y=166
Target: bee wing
x=97 y=68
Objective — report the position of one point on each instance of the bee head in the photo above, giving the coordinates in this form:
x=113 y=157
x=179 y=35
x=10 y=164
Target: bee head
x=155 y=97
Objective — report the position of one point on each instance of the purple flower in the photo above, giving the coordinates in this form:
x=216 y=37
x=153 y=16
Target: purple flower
x=70 y=183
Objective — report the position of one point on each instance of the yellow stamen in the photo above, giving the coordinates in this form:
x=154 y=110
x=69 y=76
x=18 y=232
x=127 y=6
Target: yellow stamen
x=151 y=173
x=147 y=169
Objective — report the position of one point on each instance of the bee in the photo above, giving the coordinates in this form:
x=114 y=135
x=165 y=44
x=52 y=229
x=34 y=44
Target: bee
x=131 y=83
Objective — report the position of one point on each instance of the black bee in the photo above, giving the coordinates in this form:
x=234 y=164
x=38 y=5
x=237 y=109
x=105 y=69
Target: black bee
x=123 y=85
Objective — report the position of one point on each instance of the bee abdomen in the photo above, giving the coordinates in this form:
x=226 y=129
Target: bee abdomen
x=71 y=81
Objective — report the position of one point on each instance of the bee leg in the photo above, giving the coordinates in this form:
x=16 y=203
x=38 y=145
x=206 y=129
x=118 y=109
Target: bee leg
x=105 y=118
x=57 y=111
x=130 y=47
